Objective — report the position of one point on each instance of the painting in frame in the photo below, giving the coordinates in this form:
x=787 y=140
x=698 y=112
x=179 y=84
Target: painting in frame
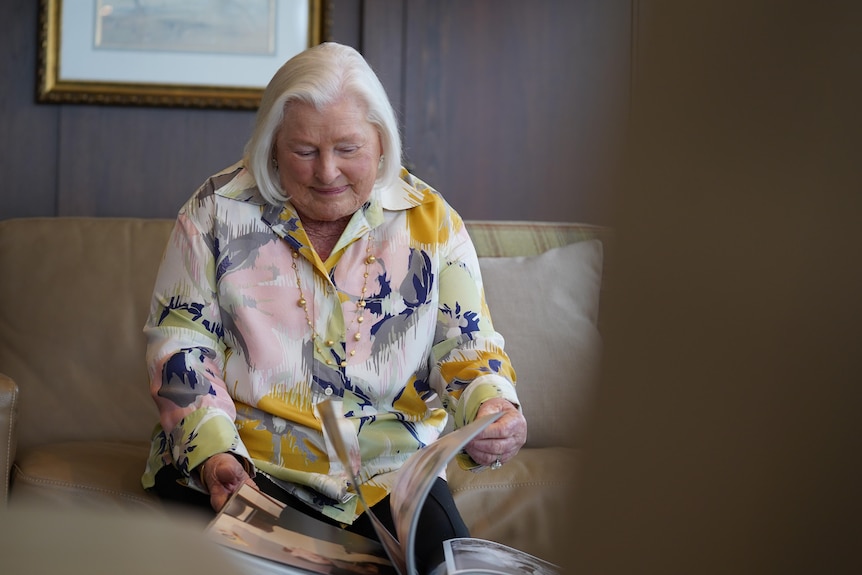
x=176 y=53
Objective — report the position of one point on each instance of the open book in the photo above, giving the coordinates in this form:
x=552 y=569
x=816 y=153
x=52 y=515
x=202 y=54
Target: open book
x=259 y=525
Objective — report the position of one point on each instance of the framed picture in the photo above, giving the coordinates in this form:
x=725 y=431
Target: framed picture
x=178 y=53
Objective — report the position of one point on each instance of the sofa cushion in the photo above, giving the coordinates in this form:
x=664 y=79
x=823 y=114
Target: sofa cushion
x=496 y=238
x=520 y=504
x=546 y=307
x=8 y=444
x=88 y=474
x=75 y=294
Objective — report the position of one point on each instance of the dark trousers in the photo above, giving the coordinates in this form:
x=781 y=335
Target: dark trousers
x=439 y=519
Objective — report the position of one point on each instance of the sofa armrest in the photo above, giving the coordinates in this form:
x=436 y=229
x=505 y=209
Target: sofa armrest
x=8 y=437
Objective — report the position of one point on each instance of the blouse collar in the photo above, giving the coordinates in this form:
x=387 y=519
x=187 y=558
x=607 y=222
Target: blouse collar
x=407 y=192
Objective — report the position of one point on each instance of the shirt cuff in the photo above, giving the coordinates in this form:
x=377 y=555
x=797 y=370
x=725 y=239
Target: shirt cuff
x=481 y=390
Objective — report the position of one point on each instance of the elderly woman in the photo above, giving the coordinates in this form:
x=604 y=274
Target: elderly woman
x=317 y=268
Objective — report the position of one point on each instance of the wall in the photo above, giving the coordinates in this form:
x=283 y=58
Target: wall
x=512 y=109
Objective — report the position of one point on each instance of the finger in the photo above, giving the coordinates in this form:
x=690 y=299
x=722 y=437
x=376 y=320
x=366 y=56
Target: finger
x=484 y=458
x=491 y=447
x=218 y=497
x=487 y=450
x=495 y=405
x=510 y=424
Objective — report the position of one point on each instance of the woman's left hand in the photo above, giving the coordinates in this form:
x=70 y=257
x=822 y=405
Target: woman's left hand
x=501 y=440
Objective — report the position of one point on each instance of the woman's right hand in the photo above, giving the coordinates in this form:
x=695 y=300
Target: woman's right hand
x=222 y=474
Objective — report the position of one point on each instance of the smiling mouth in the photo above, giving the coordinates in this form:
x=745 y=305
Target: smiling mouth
x=331 y=191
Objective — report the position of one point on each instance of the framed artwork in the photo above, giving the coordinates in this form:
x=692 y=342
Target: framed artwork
x=178 y=53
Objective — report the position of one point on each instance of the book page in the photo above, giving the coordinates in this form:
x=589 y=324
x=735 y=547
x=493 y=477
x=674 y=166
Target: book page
x=470 y=555
x=418 y=474
x=341 y=433
x=415 y=478
x=258 y=525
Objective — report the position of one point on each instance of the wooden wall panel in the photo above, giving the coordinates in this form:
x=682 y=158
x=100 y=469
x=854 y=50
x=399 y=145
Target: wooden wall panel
x=143 y=162
x=28 y=148
x=383 y=46
x=516 y=110
x=343 y=22
x=510 y=108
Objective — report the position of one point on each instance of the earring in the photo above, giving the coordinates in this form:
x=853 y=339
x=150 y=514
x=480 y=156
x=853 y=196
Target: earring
x=274 y=163
x=380 y=163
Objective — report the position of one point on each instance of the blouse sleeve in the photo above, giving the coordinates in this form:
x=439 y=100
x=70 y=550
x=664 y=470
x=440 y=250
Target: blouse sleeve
x=469 y=364
x=186 y=350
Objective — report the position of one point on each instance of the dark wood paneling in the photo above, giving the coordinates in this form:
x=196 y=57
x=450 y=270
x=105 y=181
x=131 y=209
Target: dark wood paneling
x=382 y=45
x=512 y=109
x=343 y=19
x=28 y=148
x=144 y=162
x=516 y=110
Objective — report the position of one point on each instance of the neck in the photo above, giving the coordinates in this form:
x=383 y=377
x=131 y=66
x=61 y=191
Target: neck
x=324 y=234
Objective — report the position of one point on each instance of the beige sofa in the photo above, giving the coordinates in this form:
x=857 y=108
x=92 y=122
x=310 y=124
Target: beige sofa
x=75 y=410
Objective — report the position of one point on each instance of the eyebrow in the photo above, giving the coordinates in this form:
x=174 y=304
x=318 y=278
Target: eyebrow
x=354 y=138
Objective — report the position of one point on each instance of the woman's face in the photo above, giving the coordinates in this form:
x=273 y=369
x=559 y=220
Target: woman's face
x=327 y=158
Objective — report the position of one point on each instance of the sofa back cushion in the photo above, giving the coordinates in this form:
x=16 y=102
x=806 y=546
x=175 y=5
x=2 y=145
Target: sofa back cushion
x=543 y=284
x=75 y=291
x=546 y=307
x=73 y=300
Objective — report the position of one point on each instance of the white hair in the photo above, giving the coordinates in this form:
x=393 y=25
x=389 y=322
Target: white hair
x=320 y=76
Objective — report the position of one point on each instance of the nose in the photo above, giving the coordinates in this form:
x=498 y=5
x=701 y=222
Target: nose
x=326 y=168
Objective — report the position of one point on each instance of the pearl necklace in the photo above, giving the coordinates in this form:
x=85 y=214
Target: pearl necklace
x=358 y=317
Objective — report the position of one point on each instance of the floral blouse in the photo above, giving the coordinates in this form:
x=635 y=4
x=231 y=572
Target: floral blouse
x=249 y=330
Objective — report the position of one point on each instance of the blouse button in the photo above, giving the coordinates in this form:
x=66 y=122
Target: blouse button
x=327 y=391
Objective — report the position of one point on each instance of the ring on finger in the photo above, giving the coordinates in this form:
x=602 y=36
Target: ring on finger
x=497 y=464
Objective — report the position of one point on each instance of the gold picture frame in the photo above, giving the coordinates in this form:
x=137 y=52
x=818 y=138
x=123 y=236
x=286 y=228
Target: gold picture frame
x=110 y=52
